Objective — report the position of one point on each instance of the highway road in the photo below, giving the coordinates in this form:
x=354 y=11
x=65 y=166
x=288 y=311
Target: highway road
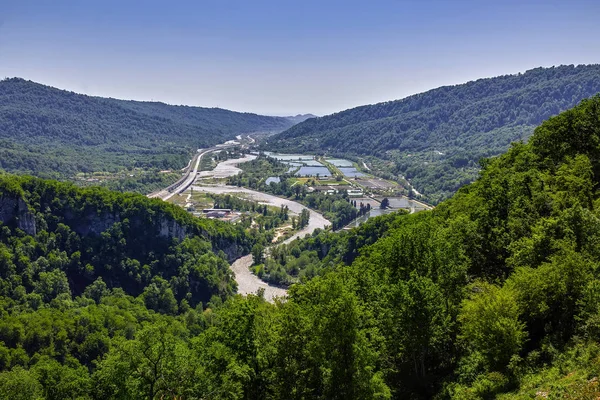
x=247 y=282
x=189 y=177
x=191 y=173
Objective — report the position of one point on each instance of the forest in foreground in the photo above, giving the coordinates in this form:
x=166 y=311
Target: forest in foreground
x=493 y=294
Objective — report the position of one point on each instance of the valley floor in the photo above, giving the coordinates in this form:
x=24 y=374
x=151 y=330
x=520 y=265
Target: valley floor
x=246 y=280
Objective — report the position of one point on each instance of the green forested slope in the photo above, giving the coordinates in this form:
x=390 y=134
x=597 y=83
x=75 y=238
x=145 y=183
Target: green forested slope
x=53 y=132
x=495 y=293
x=128 y=241
x=436 y=138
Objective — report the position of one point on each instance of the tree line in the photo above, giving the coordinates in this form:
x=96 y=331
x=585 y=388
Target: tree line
x=494 y=293
x=55 y=133
x=437 y=138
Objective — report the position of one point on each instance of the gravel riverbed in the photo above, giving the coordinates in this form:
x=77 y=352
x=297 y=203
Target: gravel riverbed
x=248 y=282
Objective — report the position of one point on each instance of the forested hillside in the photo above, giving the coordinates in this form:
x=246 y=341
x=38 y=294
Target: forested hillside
x=493 y=294
x=296 y=119
x=70 y=235
x=52 y=132
x=436 y=138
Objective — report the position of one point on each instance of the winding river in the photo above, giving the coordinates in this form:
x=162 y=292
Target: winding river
x=248 y=282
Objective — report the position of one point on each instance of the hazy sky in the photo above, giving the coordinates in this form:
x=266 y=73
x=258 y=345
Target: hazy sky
x=286 y=57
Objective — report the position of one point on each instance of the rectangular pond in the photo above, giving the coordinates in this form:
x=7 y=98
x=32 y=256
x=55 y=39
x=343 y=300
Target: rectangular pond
x=375 y=212
x=396 y=203
x=313 y=171
x=338 y=162
x=311 y=163
x=289 y=157
x=351 y=172
x=406 y=203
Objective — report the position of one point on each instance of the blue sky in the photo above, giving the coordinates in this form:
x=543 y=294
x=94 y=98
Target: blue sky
x=286 y=57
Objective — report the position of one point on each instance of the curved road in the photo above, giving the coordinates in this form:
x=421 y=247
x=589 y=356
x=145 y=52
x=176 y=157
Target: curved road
x=248 y=282
x=190 y=176
x=183 y=183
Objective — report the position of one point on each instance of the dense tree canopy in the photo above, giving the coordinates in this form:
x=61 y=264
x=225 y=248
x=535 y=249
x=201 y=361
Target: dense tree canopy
x=493 y=294
x=52 y=132
x=68 y=237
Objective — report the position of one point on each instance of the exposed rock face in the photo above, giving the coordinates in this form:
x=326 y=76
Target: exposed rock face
x=15 y=209
x=25 y=219
x=171 y=229
x=232 y=251
x=8 y=206
x=94 y=224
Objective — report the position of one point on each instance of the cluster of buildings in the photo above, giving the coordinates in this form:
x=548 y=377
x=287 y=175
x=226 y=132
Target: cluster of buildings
x=224 y=214
x=333 y=189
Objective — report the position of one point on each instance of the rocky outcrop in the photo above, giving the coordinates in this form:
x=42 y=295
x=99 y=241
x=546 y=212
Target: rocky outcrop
x=8 y=209
x=170 y=228
x=232 y=250
x=25 y=218
x=15 y=210
x=93 y=224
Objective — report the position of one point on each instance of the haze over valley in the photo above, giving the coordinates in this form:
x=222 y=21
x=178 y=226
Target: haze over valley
x=318 y=200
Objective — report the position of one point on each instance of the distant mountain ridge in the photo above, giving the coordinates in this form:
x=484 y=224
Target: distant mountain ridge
x=436 y=138
x=296 y=119
x=44 y=130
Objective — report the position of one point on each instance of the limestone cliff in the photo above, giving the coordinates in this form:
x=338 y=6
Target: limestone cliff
x=15 y=212
x=14 y=209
